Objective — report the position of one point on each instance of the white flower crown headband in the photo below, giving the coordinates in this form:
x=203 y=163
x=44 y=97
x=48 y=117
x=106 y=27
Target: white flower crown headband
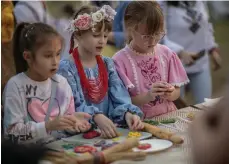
x=86 y=21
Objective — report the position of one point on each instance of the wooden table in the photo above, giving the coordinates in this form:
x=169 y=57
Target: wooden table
x=178 y=154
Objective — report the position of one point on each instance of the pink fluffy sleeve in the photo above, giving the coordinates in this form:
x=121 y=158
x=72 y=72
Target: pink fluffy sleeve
x=176 y=74
x=121 y=69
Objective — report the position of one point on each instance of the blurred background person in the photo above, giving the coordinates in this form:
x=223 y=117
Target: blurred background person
x=210 y=134
x=188 y=28
x=54 y=13
x=7 y=30
x=219 y=9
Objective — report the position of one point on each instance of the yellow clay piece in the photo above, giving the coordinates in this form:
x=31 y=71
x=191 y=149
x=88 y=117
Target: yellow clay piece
x=134 y=134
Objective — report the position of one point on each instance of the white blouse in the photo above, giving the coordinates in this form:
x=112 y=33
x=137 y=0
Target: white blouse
x=187 y=33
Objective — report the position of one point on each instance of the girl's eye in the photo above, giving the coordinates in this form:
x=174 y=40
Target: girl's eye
x=58 y=54
x=105 y=36
x=48 y=56
x=96 y=35
x=146 y=36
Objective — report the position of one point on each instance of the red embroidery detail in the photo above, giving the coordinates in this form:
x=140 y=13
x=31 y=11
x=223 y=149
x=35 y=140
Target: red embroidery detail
x=149 y=70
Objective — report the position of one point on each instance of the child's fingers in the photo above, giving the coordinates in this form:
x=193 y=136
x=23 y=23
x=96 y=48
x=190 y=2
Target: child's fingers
x=159 y=93
x=88 y=126
x=112 y=132
x=82 y=115
x=129 y=123
x=83 y=122
x=168 y=93
x=160 y=85
x=68 y=119
x=165 y=84
x=72 y=129
x=116 y=132
x=159 y=89
x=114 y=129
x=107 y=133
x=142 y=126
x=64 y=127
x=171 y=89
x=82 y=129
x=135 y=122
x=103 y=134
x=77 y=128
x=139 y=125
x=66 y=123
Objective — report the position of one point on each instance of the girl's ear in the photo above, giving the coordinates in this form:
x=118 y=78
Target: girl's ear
x=129 y=34
x=27 y=55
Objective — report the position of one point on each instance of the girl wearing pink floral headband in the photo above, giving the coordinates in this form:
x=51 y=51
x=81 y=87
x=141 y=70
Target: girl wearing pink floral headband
x=96 y=86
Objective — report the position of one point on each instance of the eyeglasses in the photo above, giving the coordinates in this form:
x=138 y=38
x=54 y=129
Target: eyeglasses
x=156 y=37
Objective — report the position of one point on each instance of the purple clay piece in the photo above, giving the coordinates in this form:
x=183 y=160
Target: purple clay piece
x=100 y=143
x=115 y=143
x=109 y=145
x=106 y=146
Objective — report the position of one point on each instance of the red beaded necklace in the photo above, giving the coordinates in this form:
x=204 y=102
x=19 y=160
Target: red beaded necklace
x=94 y=89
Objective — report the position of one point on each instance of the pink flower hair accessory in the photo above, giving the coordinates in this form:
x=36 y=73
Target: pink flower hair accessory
x=86 y=21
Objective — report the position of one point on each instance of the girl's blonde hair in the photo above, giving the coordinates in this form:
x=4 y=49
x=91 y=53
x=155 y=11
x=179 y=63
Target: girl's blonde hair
x=144 y=12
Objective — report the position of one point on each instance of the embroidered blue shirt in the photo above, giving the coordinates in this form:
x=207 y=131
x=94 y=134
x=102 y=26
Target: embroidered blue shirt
x=114 y=105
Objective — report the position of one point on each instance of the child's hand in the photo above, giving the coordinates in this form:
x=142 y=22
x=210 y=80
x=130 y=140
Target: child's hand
x=81 y=122
x=108 y=129
x=157 y=89
x=133 y=121
x=172 y=93
x=169 y=92
x=61 y=123
x=170 y=89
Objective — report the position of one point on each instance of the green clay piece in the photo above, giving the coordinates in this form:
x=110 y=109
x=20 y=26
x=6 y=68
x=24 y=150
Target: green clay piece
x=166 y=121
x=71 y=153
x=68 y=146
x=152 y=122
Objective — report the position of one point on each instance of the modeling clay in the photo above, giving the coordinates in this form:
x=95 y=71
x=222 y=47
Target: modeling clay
x=166 y=121
x=144 y=146
x=116 y=139
x=109 y=145
x=90 y=135
x=191 y=116
x=100 y=143
x=134 y=134
x=85 y=149
x=68 y=146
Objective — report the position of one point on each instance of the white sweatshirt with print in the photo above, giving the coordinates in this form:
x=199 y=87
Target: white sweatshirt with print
x=26 y=103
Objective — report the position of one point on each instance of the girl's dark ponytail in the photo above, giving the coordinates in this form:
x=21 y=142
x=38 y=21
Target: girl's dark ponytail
x=18 y=48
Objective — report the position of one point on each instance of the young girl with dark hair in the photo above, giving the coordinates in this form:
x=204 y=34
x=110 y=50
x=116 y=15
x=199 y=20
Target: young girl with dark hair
x=37 y=102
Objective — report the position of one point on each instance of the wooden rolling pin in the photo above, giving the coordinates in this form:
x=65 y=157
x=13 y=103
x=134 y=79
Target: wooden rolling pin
x=125 y=156
x=123 y=146
x=89 y=159
x=162 y=134
x=115 y=153
x=120 y=151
